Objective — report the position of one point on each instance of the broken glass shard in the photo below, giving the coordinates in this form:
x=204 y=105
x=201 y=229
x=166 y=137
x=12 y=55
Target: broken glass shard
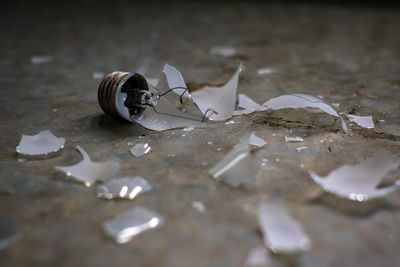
x=175 y=80
x=218 y=103
x=236 y=168
x=247 y=105
x=301 y=148
x=140 y=149
x=265 y=71
x=199 y=206
x=258 y=257
x=282 y=234
x=359 y=182
x=223 y=51
x=290 y=139
x=125 y=187
x=131 y=223
x=362 y=121
x=303 y=101
x=256 y=141
x=87 y=171
x=43 y=143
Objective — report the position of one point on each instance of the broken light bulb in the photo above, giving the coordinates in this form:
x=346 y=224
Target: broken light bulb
x=128 y=95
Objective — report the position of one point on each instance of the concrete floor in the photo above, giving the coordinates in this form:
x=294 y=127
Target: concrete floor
x=345 y=54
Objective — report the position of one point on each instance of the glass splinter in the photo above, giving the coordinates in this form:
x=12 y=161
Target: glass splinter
x=362 y=121
x=125 y=187
x=236 y=167
x=220 y=100
x=43 y=143
x=140 y=149
x=359 y=182
x=282 y=234
x=131 y=223
x=303 y=101
x=290 y=139
x=87 y=171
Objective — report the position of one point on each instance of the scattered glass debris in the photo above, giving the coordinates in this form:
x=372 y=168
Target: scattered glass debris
x=98 y=75
x=362 y=121
x=256 y=141
x=301 y=148
x=223 y=51
x=140 y=149
x=8 y=234
x=265 y=71
x=38 y=60
x=131 y=223
x=257 y=257
x=87 y=171
x=282 y=234
x=218 y=103
x=236 y=167
x=125 y=187
x=43 y=143
x=230 y=122
x=359 y=182
x=303 y=101
x=199 y=206
x=290 y=139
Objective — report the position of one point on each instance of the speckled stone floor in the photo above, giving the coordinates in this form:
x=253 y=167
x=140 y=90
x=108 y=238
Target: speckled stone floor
x=345 y=54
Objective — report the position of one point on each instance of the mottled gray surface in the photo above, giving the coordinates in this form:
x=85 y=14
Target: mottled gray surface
x=344 y=54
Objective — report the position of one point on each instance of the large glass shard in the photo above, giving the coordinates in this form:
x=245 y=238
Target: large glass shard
x=303 y=101
x=140 y=149
x=258 y=257
x=42 y=144
x=282 y=234
x=362 y=121
x=236 y=168
x=87 y=171
x=218 y=103
x=359 y=182
x=131 y=223
x=125 y=187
